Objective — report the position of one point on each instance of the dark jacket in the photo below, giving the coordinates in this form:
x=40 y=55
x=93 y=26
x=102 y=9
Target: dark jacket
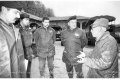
x=103 y=60
x=20 y=54
x=74 y=41
x=8 y=52
x=27 y=37
x=45 y=40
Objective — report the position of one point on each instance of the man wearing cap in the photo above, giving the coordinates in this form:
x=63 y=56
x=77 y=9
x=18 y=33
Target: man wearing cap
x=20 y=43
x=74 y=40
x=9 y=13
x=26 y=35
x=102 y=62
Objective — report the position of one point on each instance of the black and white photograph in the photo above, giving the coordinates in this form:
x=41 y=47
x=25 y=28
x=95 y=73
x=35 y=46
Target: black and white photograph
x=60 y=39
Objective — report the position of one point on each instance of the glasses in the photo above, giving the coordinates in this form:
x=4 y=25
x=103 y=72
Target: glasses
x=93 y=28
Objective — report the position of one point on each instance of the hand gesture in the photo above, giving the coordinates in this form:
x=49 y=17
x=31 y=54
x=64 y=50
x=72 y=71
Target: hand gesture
x=82 y=55
x=81 y=60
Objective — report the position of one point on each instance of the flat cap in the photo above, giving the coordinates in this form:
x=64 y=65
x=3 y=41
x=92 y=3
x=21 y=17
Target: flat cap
x=24 y=15
x=72 y=17
x=101 y=22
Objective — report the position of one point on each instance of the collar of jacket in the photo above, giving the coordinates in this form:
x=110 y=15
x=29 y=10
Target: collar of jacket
x=25 y=28
x=105 y=35
x=10 y=25
x=72 y=30
x=8 y=28
x=47 y=27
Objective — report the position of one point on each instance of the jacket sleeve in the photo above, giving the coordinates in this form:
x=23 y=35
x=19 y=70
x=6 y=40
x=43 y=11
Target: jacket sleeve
x=109 y=52
x=54 y=36
x=4 y=56
x=62 y=37
x=84 y=39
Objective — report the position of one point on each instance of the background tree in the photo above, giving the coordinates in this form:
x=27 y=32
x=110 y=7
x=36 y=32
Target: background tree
x=36 y=8
x=50 y=12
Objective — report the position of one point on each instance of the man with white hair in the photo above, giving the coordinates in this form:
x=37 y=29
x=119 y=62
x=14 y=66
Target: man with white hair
x=102 y=62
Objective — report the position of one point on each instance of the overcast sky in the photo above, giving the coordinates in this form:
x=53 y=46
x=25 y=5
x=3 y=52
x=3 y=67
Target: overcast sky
x=88 y=8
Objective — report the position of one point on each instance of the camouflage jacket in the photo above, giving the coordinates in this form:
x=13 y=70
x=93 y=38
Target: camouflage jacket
x=103 y=60
x=45 y=40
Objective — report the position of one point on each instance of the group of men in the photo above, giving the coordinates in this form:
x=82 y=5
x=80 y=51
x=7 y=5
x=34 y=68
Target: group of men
x=102 y=62
x=16 y=45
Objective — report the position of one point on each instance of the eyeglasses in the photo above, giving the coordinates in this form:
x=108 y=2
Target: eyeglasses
x=93 y=28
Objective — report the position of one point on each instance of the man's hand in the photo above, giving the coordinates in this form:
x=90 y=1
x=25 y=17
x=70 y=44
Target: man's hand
x=33 y=56
x=82 y=55
x=81 y=60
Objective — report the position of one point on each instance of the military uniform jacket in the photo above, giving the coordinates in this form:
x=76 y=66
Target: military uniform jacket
x=20 y=53
x=45 y=39
x=103 y=60
x=27 y=37
x=74 y=41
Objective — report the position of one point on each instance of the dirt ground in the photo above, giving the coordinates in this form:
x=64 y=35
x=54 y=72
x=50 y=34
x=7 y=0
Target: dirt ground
x=59 y=66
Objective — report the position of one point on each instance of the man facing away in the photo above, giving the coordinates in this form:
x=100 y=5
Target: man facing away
x=9 y=13
x=102 y=62
x=45 y=38
x=74 y=39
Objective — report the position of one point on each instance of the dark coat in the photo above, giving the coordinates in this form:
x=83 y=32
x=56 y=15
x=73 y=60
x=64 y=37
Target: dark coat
x=45 y=40
x=27 y=37
x=74 y=41
x=20 y=53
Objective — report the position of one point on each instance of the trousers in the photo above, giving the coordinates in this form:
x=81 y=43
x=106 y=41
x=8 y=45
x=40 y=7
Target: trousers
x=78 y=69
x=42 y=62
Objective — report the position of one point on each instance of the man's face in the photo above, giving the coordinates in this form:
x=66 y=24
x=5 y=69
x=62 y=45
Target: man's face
x=45 y=23
x=95 y=31
x=72 y=24
x=12 y=15
x=34 y=28
x=26 y=21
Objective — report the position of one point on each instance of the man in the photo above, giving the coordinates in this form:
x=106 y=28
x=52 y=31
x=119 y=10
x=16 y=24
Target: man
x=45 y=38
x=27 y=37
x=26 y=34
x=74 y=40
x=102 y=62
x=34 y=26
x=9 y=13
x=23 y=21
